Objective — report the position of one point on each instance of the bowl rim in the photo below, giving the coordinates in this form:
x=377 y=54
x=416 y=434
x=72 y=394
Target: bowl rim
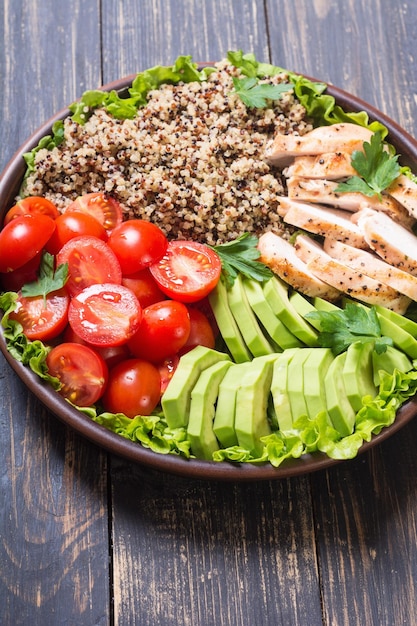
x=10 y=180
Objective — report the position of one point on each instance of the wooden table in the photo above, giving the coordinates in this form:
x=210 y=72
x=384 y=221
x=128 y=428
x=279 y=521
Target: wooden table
x=86 y=538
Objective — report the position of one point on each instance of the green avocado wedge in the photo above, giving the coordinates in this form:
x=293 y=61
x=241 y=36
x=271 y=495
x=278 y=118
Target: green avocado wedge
x=177 y=397
x=315 y=368
x=358 y=373
x=251 y=422
x=279 y=389
x=224 y=419
x=228 y=328
x=338 y=405
x=204 y=395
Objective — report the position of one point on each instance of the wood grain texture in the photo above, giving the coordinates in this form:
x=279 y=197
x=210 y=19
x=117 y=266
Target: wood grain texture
x=54 y=548
x=335 y=548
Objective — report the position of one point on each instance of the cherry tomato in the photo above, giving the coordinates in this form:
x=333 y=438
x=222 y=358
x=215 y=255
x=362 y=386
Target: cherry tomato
x=105 y=314
x=74 y=224
x=166 y=370
x=188 y=271
x=90 y=262
x=164 y=330
x=111 y=354
x=201 y=332
x=137 y=244
x=33 y=205
x=13 y=281
x=22 y=239
x=144 y=287
x=134 y=388
x=42 y=319
x=82 y=372
x=107 y=210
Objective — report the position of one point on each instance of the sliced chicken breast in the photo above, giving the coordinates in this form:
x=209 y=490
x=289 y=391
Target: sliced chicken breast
x=404 y=190
x=353 y=283
x=324 y=192
x=331 y=165
x=322 y=220
x=343 y=137
x=374 y=267
x=392 y=242
x=281 y=257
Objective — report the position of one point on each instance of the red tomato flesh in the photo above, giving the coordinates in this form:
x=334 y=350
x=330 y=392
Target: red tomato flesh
x=32 y=205
x=144 y=287
x=137 y=244
x=201 y=332
x=134 y=388
x=164 y=329
x=188 y=271
x=42 y=319
x=107 y=210
x=22 y=239
x=90 y=262
x=82 y=372
x=74 y=224
x=105 y=315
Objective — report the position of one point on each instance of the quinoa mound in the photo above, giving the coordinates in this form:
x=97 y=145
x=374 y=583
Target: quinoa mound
x=191 y=161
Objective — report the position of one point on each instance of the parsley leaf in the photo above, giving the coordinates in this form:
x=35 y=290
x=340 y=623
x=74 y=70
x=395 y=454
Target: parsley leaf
x=49 y=279
x=377 y=168
x=255 y=94
x=340 y=328
x=241 y=256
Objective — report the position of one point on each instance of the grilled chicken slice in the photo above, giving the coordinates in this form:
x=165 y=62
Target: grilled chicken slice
x=344 y=137
x=281 y=257
x=322 y=220
x=374 y=267
x=392 y=242
x=353 y=283
x=324 y=192
x=331 y=165
x=404 y=190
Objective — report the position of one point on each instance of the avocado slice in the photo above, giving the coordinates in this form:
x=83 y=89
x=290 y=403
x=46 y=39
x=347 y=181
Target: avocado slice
x=177 y=397
x=315 y=368
x=227 y=325
x=276 y=292
x=224 y=419
x=388 y=361
x=279 y=390
x=324 y=305
x=403 y=322
x=338 y=405
x=203 y=441
x=402 y=339
x=295 y=383
x=251 y=422
x=278 y=332
x=246 y=320
x=358 y=373
x=303 y=307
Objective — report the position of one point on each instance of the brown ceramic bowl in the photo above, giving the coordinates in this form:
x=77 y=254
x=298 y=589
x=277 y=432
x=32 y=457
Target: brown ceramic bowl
x=10 y=182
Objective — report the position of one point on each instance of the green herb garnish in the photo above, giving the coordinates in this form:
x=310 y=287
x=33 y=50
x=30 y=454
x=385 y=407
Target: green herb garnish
x=48 y=280
x=255 y=94
x=377 y=169
x=340 y=328
x=241 y=256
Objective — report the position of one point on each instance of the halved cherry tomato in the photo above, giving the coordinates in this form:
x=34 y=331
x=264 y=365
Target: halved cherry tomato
x=107 y=210
x=90 y=262
x=137 y=244
x=22 y=239
x=144 y=287
x=13 y=281
x=188 y=271
x=167 y=369
x=201 y=332
x=74 y=224
x=163 y=331
x=134 y=388
x=32 y=205
x=82 y=372
x=42 y=319
x=111 y=354
x=105 y=315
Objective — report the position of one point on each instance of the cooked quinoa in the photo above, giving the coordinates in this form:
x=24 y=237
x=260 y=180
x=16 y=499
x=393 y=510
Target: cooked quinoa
x=191 y=160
